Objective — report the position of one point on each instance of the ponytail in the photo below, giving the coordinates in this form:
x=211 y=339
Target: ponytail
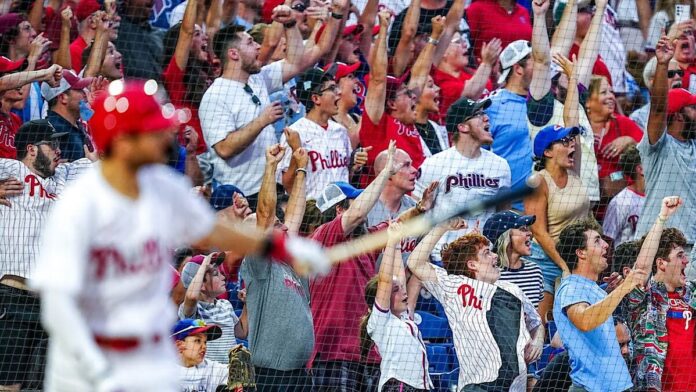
x=365 y=339
x=539 y=163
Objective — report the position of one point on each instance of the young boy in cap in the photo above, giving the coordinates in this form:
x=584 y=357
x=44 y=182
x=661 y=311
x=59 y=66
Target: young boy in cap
x=124 y=218
x=198 y=373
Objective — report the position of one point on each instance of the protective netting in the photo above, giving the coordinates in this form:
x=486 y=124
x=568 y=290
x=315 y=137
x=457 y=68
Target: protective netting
x=343 y=123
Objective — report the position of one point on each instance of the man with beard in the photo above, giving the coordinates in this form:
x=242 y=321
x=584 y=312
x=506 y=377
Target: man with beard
x=34 y=181
x=667 y=151
x=236 y=113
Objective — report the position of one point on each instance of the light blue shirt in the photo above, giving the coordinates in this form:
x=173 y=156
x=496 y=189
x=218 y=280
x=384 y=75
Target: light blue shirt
x=511 y=141
x=595 y=356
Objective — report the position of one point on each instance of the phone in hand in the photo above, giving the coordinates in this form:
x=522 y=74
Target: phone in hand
x=682 y=13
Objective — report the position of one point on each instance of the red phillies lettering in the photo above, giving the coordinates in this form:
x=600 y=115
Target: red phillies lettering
x=408 y=244
x=633 y=221
x=110 y=259
x=334 y=161
x=35 y=188
x=469 y=297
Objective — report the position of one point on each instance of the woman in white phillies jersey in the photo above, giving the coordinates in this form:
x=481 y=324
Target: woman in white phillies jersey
x=103 y=272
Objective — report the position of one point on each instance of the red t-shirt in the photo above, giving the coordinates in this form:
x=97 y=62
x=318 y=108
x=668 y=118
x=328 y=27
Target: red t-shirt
x=451 y=87
x=678 y=374
x=487 y=20
x=9 y=124
x=688 y=71
x=378 y=136
x=338 y=300
x=599 y=68
x=618 y=126
x=76 y=48
x=174 y=83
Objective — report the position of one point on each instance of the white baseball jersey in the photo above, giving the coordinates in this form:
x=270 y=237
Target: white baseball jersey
x=21 y=224
x=329 y=154
x=467 y=302
x=113 y=253
x=204 y=377
x=621 y=218
x=462 y=180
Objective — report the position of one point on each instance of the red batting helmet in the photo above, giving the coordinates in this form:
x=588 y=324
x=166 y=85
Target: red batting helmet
x=129 y=107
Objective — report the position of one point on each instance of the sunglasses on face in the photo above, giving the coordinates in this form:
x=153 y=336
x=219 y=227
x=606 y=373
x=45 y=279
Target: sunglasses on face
x=254 y=98
x=675 y=72
x=299 y=7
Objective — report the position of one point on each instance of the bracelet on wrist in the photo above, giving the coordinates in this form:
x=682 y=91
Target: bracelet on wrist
x=433 y=41
x=336 y=15
x=301 y=169
x=290 y=24
x=661 y=219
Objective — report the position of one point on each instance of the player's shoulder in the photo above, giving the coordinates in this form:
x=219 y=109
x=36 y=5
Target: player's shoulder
x=164 y=176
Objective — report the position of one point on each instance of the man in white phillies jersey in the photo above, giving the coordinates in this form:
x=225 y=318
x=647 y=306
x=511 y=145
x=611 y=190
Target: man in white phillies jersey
x=326 y=141
x=103 y=272
x=466 y=171
x=35 y=181
x=495 y=327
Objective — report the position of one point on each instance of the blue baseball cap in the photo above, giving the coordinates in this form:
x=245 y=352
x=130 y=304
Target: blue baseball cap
x=503 y=221
x=550 y=134
x=187 y=327
x=222 y=196
x=335 y=193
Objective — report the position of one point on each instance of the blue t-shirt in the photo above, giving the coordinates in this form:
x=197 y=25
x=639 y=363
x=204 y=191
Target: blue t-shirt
x=595 y=356
x=511 y=141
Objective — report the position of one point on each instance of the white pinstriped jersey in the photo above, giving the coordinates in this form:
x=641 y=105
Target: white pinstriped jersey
x=21 y=224
x=621 y=218
x=467 y=302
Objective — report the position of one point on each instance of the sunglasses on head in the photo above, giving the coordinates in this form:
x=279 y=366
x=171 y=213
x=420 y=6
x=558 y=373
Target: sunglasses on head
x=675 y=72
x=254 y=98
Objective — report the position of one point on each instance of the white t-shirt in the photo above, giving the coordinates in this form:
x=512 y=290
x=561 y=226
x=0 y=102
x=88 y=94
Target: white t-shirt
x=401 y=347
x=329 y=154
x=113 y=253
x=621 y=218
x=466 y=302
x=462 y=181
x=225 y=108
x=21 y=224
x=204 y=377
x=221 y=313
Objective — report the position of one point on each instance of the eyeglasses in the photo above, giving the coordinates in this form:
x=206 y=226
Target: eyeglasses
x=333 y=88
x=408 y=92
x=566 y=140
x=53 y=144
x=254 y=98
x=479 y=113
x=299 y=7
x=675 y=72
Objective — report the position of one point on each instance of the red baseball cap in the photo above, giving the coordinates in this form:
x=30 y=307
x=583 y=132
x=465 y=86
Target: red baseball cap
x=343 y=69
x=8 y=21
x=348 y=30
x=7 y=65
x=267 y=10
x=679 y=98
x=85 y=8
x=130 y=107
x=393 y=83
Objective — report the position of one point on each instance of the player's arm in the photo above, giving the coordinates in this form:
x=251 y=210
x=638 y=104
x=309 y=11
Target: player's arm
x=586 y=317
x=658 y=103
x=361 y=206
x=648 y=250
x=390 y=258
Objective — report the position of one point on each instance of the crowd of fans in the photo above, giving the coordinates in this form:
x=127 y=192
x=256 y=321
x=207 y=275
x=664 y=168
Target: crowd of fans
x=335 y=119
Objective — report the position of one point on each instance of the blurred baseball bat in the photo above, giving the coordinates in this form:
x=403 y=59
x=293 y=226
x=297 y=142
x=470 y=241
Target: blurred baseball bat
x=422 y=224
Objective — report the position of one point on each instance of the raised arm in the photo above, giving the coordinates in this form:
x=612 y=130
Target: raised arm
x=402 y=53
x=367 y=20
x=50 y=75
x=391 y=258
x=271 y=40
x=101 y=44
x=571 y=108
x=298 y=196
x=648 y=250
x=193 y=292
x=62 y=55
x=183 y=43
x=541 y=80
x=419 y=260
x=564 y=35
x=294 y=62
x=265 y=210
x=35 y=16
x=421 y=68
x=453 y=18
x=377 y=93
x=361 y=206
x=658 y=103
x=589 y=50
x=328 y=37
x=490 y=51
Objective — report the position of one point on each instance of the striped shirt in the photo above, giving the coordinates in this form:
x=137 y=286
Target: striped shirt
x=22 y=223
x=528 y=278
x=220 y=313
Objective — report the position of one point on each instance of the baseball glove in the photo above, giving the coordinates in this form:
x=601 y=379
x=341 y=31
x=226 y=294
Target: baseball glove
x=241 y=371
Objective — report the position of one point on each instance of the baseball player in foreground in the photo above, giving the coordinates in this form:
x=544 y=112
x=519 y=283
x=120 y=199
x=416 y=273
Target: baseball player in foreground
x=103 y=272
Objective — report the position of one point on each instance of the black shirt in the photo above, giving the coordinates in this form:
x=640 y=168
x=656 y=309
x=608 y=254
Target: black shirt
x=71 y=145
x=429 y=135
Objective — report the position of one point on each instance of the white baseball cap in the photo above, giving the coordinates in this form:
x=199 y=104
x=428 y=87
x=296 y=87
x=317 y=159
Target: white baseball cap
x=511 y=55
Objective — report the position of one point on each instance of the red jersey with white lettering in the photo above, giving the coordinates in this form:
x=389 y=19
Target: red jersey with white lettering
x=9 y=125
x=678 y=375
x=113 y=253
x=21 y=224
x=329 y=154
x=378 y=136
